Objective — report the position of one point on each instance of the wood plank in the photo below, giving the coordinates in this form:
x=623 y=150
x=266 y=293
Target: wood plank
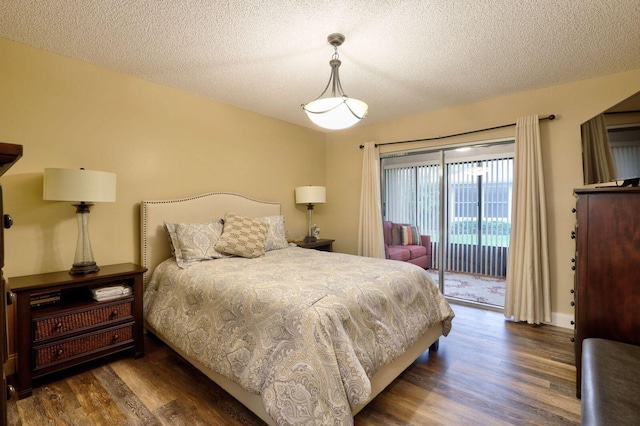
x=31 y=411
x=428 y=407
x=196 y=389
x=127 y=401
x=98 y=404
x=177 y=413
x=143 y=379
x=60 y=403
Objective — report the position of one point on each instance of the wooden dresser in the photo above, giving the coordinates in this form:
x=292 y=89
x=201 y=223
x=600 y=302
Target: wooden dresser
x=607 y=280
x=9 y=154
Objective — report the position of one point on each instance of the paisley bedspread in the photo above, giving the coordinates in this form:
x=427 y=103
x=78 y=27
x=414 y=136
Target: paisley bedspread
x=304 y=329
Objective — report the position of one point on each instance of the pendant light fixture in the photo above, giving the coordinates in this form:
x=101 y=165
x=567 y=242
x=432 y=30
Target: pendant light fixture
x=337 y=111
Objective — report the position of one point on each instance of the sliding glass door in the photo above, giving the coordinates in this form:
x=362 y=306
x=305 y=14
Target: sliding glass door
x=479 y=215
x=461 y=198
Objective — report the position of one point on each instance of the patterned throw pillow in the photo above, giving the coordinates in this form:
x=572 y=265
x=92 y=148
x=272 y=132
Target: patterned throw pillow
x=410 y=235
x=396 y=234
x=276 y=238
x=242 y=236
x=194 y=242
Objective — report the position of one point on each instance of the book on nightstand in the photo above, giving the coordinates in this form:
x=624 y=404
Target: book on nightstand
x=44 y=298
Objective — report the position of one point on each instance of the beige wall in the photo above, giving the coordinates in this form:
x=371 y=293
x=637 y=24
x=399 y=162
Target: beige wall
x=572 y=103
x=161 y=143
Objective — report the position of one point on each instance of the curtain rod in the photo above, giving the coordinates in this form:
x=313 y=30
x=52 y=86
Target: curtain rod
x=623 y=112
x=549 y=117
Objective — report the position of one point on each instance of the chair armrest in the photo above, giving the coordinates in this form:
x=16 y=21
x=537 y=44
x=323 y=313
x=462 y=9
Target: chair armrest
x=425 y=240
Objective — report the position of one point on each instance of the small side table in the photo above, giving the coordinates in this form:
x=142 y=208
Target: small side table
x=61 y=325
x=321 y=245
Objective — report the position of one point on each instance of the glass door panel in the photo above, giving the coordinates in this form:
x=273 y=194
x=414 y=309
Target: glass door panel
x=478 y=192
x=461 y=199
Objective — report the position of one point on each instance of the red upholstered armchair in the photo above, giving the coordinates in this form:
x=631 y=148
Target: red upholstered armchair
x=417 y=254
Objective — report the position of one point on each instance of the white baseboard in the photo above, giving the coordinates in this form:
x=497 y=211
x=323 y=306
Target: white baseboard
x=561 y=320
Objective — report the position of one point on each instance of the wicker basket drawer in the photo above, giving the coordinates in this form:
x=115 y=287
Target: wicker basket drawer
x=67 y=349
x=44 y=328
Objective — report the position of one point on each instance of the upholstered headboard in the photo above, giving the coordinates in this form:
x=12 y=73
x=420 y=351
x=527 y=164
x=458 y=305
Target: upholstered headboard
x=200 y=208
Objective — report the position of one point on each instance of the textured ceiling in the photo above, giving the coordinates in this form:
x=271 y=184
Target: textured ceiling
x=401 y=57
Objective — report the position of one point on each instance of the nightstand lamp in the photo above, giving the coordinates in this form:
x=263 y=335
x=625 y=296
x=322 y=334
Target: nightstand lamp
x=310 y=195
x=85 y=187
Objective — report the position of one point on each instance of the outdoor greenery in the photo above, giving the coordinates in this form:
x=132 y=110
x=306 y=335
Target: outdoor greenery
x=494 y=232
x=487 y=240
x=470 y=226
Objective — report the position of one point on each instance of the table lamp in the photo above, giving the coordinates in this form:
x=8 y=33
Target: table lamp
x=85 y=187
x=310 y=195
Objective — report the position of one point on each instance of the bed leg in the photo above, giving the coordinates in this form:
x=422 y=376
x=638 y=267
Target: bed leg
x=434 y=346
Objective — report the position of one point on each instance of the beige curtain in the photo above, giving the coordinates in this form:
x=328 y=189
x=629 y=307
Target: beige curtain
x=527 y=296
x=596 y=151
x=370 y=240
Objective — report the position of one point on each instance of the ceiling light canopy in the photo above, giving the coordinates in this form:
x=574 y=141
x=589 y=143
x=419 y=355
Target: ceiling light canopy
x=337 y=111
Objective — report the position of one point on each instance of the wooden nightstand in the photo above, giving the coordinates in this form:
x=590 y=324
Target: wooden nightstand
x=69 y=327
x=322 y=245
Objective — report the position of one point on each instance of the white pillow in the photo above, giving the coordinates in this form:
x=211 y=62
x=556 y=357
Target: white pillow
x=194 y=242
x=276 y=238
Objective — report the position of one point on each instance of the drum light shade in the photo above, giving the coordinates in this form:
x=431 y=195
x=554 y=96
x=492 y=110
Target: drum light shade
x=311 y=194
x=79 y=185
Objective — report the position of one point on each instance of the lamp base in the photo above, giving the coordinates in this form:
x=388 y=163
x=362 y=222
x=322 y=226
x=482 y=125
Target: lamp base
x=83 y=262
x=84 y=268
x=310 y=239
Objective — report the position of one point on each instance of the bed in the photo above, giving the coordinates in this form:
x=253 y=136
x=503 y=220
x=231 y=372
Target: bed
x=298 y=336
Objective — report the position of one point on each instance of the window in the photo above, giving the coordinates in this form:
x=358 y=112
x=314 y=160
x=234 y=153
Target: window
x=412 y=196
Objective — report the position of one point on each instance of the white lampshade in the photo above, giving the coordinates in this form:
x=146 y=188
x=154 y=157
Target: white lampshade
x=311 y=194
x=336 y=113
x=79 y=185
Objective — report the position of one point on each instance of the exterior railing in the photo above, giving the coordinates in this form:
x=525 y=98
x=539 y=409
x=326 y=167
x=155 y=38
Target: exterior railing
x=472 y=259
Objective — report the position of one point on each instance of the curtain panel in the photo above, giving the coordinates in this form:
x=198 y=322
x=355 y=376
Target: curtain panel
x=527 y=296
x=370 y=237
x=596 y=151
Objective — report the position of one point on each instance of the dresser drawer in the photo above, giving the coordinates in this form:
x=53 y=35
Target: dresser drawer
x=54 y=353
x=82 y=319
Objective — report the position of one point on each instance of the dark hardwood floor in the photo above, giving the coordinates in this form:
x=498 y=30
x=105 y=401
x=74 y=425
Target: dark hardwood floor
x=488 y=371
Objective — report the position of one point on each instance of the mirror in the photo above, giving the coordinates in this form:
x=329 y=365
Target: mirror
x=611 y=144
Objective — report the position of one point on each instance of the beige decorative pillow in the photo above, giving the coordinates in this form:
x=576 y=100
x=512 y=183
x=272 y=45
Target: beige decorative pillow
x=194 y=242
x=242 y=236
